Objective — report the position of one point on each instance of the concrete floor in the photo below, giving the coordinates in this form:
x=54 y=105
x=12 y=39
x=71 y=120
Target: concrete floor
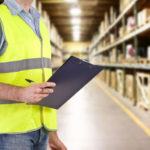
x=92 y=121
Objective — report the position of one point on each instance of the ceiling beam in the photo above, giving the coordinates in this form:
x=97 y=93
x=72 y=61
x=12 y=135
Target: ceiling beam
x=83 y=18
x=71 y=25
x=82 y=29
x=109 y=2
x=81 y=39
x=66 y=13
x=55 y=7
x=84 y=21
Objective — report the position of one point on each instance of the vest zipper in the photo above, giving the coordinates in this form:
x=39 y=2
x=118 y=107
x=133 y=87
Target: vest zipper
x=43 y=75
x=43 y=71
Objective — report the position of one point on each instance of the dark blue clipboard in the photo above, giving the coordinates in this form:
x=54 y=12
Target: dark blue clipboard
x=73 y=75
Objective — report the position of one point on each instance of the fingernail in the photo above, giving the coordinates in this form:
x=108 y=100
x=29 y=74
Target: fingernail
x=54 y=84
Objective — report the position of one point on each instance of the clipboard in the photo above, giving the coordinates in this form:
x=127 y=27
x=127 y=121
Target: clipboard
x=73 y=75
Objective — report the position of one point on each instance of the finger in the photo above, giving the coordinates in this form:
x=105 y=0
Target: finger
x=41 y=96
x=47 y=84
x=46 y=91
x=43 y=91
x=63 y=148
x=52 y=147
x=38 y=98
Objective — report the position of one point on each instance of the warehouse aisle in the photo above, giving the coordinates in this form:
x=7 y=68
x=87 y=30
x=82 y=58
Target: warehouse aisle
x=92 y=121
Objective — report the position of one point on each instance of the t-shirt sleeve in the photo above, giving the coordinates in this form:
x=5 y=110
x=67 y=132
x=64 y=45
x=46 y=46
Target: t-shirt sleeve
x=3 y=42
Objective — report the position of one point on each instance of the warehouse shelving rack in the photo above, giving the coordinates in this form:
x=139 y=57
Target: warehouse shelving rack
x=121 y=16
x=72 y=53
x=56 y=46
x=133 y=35
x=55 y=55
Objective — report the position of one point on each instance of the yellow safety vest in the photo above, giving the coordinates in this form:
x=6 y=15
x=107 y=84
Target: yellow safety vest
x=26 y=56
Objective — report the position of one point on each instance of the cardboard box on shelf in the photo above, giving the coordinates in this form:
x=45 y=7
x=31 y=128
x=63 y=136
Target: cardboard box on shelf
x=106 y=20
x=148 y=52
x=143 y=16
x=39 y=7
x=101 y=75
x=97 y=60
x=102 y=28
x=107 y=76
x=113 y=53
x=124 y=4
x=140 y=18
x=46 y=20
x=105 y=59
x=143 y=88
x=120 y=57
x=112 y=14
x=113 y=79
x=112 y=38
x=122 y=31
x=130 y=86
x=120 y=81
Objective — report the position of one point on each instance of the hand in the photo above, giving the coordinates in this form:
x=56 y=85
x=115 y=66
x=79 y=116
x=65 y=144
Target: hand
x=35 y=92
x=55 y=143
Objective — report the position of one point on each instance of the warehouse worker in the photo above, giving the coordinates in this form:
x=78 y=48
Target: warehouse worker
x=25 y=53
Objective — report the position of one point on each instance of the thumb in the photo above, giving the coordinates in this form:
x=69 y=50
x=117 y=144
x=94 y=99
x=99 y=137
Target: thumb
x=52 y=147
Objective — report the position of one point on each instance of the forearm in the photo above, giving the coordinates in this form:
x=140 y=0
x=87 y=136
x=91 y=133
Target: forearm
x=55 y=142
x=53 y=134
x=9 y=92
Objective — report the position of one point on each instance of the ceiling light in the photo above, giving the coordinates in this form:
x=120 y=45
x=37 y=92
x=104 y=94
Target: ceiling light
x=76 y=21
x=76 y=28
x=76 y=38
x=71 y=1
x=76 y=33
x=75 y=11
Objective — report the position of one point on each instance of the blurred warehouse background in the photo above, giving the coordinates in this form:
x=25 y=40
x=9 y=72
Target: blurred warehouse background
x=112 y=111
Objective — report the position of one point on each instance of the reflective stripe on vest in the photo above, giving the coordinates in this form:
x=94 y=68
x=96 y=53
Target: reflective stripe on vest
x=26 y=64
